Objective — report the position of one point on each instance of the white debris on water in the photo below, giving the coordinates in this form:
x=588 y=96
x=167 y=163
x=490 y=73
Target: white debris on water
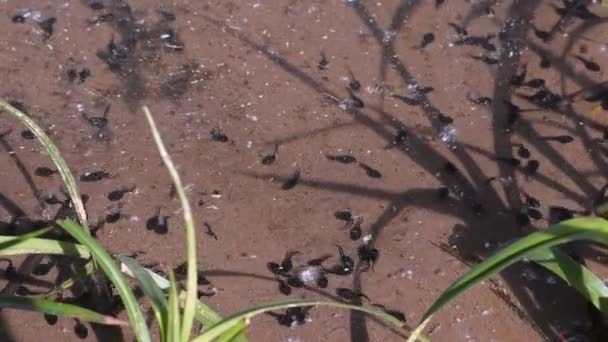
x=309 y=275
x=448 y=134
x=388 y=36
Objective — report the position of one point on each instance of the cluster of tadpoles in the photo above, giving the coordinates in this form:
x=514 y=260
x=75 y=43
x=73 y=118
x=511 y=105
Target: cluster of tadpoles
x=315 y=272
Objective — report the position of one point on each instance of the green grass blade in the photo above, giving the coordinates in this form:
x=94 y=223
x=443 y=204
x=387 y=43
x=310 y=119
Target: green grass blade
x=20 y=238
x=231 y=334
x=154 y=294
x=191 y=272
x=17 y=246
x=416 y=335
x=595 y=229
x=576 y=275
x=174 y=327
x=55 y=155
x=240 y=318
x=55 y=308
x=111 y=270
x=202 y=312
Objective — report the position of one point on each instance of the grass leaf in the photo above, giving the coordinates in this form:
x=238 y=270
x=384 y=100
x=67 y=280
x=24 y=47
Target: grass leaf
x=56 y=308
x=595 y=229
x=231 y=334
x=191 y=272
x=55 y=155
x=576 y=275
x=20 y=238
x=111 y=270
x=174 y=327
x=153 y=293
x=202 y=312
x=17 y=245
x=240 y=318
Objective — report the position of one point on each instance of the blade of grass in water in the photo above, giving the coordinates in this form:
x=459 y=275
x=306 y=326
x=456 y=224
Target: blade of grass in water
x=153 y=293
x=173 y=330
x=191 y=272
x=595 y=229
x=576 y=275
x=227 y=324
x=231 y=334
x=55 y=308
x=202 y=313
x=111 y=270
x=7 y=243
x=17 y=246
x=55 y=155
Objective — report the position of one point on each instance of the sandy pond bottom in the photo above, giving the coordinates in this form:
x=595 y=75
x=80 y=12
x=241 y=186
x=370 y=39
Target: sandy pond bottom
x=281 y=113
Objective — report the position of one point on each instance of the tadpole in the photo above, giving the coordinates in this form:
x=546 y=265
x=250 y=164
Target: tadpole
x=427 y=39
x=531 y=167
x=27 y=134
x=481 y=41
x=285 y=266
x=169 y=38
x=284 y=288
x=292 y=181
x=544 y=63
x=353 y=84
x=355 y=229
x=589 y=65
x=523 y=152
x=483 y=101
x=562 y=139
x=349 y=294
x=158 y=224
x=218 y=135
x=323 y=62
x=343 y=215
x=81 y=330
x=47 y=26
x=540 y=34
x=50 y=319
x=458 y=29
x=117 y=195
x=209 y=231
x=94 y=176
x=354 y=100
x=341 y=158
x=531 y=201
x=534 y=214
x=43 y=171
x=292 y=317
x=407 y=100
x=368 y=256
x=344 y=267
x=113 y=217
x=270 y=158
x=371 y=172
x=534 y=83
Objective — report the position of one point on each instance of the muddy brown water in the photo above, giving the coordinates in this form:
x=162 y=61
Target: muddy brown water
x=231 y=82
